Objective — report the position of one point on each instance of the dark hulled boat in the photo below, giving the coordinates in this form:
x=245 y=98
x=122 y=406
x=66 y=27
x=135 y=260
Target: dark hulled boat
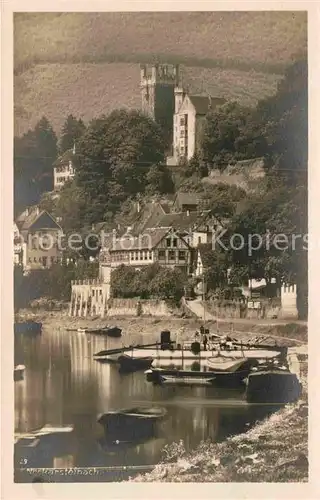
x=186 y=377
x=130 y=424
x=128 y=364
x=112 y=331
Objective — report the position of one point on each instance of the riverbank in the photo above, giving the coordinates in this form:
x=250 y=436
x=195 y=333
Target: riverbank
x=275 y=450
x=148 y=328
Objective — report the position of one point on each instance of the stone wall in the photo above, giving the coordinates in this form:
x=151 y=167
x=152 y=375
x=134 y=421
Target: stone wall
x=136 y=307
x=254 y=309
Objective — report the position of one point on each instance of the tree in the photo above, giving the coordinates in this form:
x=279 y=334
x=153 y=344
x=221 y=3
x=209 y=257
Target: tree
x=116 y=153
x=284 y=120
x=221 y=133
x=168 y=284
x=123 y=282
x=34 y=155
x=159 y=180
x=70 y=207
x=71 y=132
x=222 y=199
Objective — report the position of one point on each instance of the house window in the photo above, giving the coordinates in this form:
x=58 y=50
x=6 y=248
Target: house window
x=52 y=260
x=199 y=240
x=162 y=254
x=174 y=242
x=34 y=259
x=132 y=255
x=172 y=255
x=145 y=255
x=150 y=255
x=182 y=120
x=44 y=261
x=29 y=260
x=182 y=255
x=168 y=242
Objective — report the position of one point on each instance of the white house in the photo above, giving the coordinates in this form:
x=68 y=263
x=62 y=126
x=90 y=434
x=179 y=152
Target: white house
x=188 y=119
x=64 y=169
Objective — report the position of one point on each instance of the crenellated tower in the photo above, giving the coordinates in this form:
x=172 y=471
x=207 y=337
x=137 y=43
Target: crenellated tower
x=157 y=92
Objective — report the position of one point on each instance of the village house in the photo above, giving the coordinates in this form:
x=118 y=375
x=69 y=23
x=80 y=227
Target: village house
x=157 y=245
x=64 y=169
x=186 y=202
x=158 y=235
x=36 y=239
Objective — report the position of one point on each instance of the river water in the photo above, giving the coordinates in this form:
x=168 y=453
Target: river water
x=64 y=385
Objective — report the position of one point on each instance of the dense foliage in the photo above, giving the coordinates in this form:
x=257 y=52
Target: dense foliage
x=34 y=154
x=71 y=132
x=151 y=281
x=118 y=154
x=53 y=283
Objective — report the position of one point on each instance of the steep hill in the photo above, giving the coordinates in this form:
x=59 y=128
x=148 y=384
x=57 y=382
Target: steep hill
x=88 y=64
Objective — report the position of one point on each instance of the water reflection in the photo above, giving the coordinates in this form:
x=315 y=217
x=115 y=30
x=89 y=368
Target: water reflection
x=63 y=385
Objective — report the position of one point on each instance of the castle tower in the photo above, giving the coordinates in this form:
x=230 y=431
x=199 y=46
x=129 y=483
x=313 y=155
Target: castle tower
x=157 y=92
x=179 y=94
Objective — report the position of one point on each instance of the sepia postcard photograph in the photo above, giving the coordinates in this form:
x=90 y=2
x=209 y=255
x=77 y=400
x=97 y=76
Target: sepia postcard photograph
x=160 y=247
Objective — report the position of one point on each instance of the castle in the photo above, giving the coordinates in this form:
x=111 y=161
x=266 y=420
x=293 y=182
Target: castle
x=181 y=115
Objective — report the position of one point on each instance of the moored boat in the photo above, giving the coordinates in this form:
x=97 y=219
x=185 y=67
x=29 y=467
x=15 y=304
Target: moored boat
x=162 y=376
x=254 y=353
x=112 y=331
x=130 y=424
x=129 y=364
x=229 y=364
x=272 y=386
